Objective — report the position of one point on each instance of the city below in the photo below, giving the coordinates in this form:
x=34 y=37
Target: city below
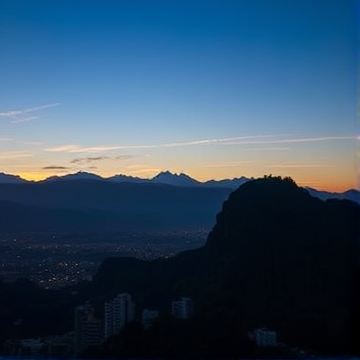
x=55 y=260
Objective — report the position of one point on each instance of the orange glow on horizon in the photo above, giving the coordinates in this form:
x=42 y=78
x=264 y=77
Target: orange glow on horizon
x=32 y=176
x=319 y=184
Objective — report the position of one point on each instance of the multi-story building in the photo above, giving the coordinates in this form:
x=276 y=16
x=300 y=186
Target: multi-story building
x=118 y=312
x=88 y=330
x=182 y=308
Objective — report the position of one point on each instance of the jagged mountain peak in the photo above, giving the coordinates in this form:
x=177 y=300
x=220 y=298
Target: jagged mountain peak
x=168 y=173
x=126 y=178
x=169 y=178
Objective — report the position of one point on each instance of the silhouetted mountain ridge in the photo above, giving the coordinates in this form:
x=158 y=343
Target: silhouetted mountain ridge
x=77 y=201
x=352 y=194
x=277 y=257
x=81 y=175
x=10 y=179
x=168 y=178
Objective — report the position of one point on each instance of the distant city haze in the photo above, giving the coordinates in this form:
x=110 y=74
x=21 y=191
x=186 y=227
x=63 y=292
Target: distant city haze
x=215 y=89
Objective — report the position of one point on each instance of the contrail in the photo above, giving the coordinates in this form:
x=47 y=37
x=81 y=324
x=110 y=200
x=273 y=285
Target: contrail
x=18 y=115
x=241 y=140
x=12 y=113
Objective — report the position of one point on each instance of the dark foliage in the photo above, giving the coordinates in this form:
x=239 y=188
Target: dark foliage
x=176 y=338
x=27 y=310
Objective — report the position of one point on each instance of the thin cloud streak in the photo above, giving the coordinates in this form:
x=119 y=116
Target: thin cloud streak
x=62 y=148
x=100 y=158
x=72 y=148
x=241 y=140
x=54 y=167
x=89 y=159
x=18 y=116
x=214 y=141
x=79 y=149
x=25 y=119
x=293 y=141
x=11 y=113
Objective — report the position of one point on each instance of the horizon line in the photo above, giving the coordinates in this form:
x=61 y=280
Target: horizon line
x=172 y=173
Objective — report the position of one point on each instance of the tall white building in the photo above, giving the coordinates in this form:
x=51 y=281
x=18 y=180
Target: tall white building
x=118 y=312
x=182 y=308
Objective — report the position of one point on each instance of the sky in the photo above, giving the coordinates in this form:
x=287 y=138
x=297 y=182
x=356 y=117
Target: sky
x=213 y=89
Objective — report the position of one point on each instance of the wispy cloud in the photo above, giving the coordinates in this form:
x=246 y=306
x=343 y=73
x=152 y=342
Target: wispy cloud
x=240 y=140
x=90 y=159
x=219 y=141
x=291 y=140
x=23 y=119
x=19 y=116
x=55 y=167
x=4 y=138
x=71 y=148
x=62 y=148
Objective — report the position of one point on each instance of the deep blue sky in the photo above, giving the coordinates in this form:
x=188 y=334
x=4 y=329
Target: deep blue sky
x=211 y=88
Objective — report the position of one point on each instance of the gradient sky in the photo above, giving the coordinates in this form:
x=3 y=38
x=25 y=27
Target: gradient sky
x=215 y=89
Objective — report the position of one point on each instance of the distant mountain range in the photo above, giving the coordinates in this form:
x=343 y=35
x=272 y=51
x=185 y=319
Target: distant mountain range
x=165 y=177
x=352 y=194
x=173 y=179
x=93 y=205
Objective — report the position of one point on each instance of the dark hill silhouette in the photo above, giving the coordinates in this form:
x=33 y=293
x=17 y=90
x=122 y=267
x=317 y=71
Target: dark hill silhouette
x=277 y=257
x=284 y=259
x=77 y=204
x=12 y=179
